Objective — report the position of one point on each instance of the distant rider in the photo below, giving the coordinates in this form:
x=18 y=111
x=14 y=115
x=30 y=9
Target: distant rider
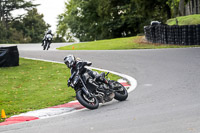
x=48 y=32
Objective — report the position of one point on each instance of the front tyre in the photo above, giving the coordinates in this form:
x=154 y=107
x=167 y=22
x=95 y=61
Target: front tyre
x=88 y=102
x=48 y=46
x=121 y=93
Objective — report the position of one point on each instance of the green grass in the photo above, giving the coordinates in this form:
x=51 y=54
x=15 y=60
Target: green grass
x=137 y=42
x=185 y=20
x=34 y=85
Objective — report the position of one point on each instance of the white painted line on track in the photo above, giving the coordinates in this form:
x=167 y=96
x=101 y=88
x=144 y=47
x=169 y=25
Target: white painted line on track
x=132 y=81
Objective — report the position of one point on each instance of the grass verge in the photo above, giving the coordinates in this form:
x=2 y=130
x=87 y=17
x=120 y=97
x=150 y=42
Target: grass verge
x=185 y=20
x=34 y=85
x=137 y=42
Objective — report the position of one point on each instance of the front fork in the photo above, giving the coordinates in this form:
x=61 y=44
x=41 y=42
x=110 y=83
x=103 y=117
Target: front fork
x=84 y=88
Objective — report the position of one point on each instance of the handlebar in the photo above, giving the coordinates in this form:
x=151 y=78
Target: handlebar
x=107 y=74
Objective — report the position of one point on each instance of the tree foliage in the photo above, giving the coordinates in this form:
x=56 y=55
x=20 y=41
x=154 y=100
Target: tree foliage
x=34 y=26
x=103 y=19
x=27 y=28
x=7 y=6
x=188 y=7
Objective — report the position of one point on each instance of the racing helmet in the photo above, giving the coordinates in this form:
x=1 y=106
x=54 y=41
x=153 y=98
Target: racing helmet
x=70 y=61
x=49 y=32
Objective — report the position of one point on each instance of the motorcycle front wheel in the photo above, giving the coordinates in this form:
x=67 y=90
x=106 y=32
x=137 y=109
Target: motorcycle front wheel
x=88 y=102
x=48 y=46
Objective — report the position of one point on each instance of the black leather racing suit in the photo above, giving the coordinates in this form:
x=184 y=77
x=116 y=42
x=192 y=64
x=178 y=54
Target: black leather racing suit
x=79 y=65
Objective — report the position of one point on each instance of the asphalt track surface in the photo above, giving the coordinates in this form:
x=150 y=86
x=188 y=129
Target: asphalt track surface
x=166 y=100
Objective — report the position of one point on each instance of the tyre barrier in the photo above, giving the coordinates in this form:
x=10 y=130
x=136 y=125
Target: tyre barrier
x=177 y=35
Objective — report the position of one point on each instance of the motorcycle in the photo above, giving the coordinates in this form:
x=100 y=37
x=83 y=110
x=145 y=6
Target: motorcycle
x=47 y=41
x=91 y=91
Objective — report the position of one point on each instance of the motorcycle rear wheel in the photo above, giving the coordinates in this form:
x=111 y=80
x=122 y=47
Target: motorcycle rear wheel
x=121 y=93
x=88 y=102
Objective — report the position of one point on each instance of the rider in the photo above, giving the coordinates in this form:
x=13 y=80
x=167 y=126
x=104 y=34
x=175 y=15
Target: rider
x=75 y=63
x=44 y=38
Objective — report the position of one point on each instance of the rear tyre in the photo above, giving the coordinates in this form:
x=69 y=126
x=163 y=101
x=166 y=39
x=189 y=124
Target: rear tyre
x=88 y=102
x=121 y=93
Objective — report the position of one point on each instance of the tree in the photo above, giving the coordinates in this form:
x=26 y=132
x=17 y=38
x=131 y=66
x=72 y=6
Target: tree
x=6 y=19
x=6 y=6
x=174 y=7
x=62 y=27
x=58 y=39
x=188 y=7
x=181 y=7
x=3 y=36
x=34 y=26
x=100 y=19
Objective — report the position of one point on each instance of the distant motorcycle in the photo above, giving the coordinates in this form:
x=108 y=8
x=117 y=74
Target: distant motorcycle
x=47 y=41
x=92 y=91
